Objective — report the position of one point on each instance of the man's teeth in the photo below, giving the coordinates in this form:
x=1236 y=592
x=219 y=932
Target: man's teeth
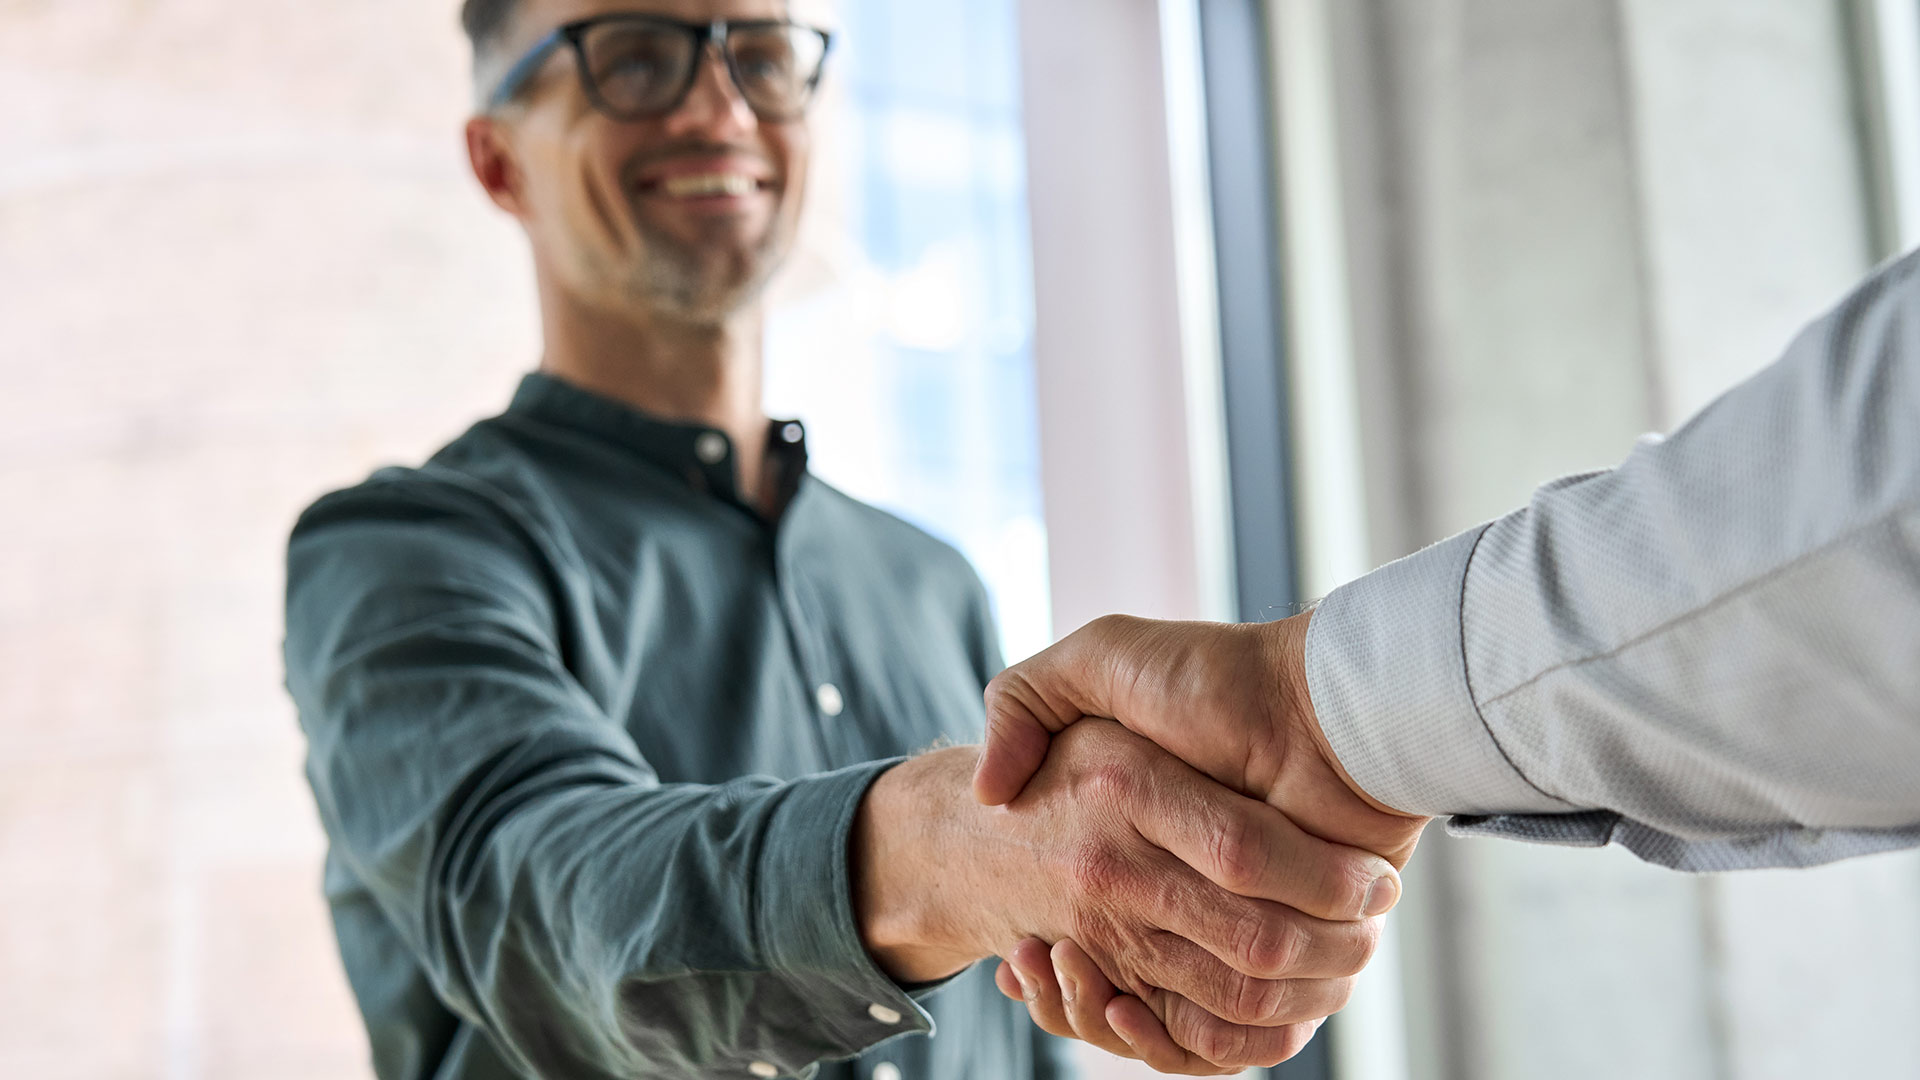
x=694 y=187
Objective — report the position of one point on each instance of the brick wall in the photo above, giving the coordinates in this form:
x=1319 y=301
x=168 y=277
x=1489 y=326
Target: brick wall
x=240 y=263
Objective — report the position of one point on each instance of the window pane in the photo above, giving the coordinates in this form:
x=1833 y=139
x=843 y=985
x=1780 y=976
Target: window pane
x=910 y=349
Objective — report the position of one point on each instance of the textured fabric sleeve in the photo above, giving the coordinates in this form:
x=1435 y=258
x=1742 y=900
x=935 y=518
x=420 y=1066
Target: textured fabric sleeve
x=1710 y=654
x=593 y=921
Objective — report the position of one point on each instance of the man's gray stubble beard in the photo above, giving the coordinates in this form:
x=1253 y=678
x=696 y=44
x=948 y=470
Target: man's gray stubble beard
x=695 y=287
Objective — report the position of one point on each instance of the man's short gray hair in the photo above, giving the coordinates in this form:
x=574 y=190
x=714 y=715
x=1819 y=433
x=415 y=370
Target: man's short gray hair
x=487 y=23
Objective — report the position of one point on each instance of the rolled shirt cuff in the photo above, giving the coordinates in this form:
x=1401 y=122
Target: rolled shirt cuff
x=1387 y=671
x=809 y=930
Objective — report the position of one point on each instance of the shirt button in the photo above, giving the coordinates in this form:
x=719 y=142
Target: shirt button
x=763 y=1070
x=710 y=447
x=793 y=433
x=829 y=699
x=886 y=1070
x=883 y=1014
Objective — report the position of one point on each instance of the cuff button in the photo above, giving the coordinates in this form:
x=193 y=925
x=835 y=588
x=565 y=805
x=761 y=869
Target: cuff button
x=883 y=1014
x=763 y=1070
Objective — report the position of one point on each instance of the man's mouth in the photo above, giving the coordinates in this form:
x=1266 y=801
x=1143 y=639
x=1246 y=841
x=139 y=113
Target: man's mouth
x=707 y=186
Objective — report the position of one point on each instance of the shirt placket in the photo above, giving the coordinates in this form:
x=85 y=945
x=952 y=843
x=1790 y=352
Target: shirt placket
x=822 y=675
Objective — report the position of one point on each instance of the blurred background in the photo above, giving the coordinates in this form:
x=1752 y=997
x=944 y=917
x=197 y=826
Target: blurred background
x=1189 y=308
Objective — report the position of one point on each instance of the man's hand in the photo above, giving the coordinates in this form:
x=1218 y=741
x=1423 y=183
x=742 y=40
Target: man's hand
x=1235 y=925
x=1231 y=700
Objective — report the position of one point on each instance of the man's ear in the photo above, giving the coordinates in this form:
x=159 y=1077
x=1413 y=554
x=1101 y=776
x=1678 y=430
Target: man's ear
x=493 y=164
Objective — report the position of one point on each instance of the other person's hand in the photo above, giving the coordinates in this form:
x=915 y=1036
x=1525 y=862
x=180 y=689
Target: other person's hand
x=1230 y=700
x=1233 y=925
x=1068 y=995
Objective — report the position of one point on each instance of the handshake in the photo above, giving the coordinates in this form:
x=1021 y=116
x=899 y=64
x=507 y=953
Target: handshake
x=1194 y=886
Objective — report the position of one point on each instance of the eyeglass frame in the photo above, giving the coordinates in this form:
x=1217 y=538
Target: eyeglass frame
x=573 y=35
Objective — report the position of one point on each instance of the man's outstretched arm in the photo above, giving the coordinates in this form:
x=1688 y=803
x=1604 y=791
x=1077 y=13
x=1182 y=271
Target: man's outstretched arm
x=596 y=922
x=1710 y=654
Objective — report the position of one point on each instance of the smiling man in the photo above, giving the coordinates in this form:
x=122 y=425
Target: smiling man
x=607 y=703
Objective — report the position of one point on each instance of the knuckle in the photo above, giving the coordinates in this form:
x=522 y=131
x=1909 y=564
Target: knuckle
x=1271 y=945
x=998 y=691
x=1096 y=871
x=1339 y=994
x=1365 y=942
x=1111 y=778
x=1241 y=854
x=1109 y=630
x=1292 y=1042
x=1259 y=1001
x=1218 y=1041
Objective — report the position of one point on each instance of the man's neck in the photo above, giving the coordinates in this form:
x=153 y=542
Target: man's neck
x=671 y=369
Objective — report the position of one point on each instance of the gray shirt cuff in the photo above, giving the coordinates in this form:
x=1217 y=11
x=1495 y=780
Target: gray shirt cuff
x=808 y=928
x=1387 y=671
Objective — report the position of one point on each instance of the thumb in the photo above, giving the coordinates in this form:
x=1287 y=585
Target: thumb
x=1029 y=703
x=1017 y=741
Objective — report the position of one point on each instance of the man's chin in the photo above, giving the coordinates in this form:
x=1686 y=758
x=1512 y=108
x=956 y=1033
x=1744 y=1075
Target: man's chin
x=711 y=292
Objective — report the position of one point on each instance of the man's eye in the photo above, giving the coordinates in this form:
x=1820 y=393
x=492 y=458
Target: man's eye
x=763 y=68
x=633 y=66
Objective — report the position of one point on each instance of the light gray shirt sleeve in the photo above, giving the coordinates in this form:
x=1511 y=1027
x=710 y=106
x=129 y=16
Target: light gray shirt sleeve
x=1710 y=654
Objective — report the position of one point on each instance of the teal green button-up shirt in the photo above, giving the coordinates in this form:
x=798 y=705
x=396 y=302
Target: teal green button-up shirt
x=587 y=735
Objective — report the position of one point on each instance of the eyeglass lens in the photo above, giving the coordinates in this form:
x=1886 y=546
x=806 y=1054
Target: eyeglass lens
x=641 y=69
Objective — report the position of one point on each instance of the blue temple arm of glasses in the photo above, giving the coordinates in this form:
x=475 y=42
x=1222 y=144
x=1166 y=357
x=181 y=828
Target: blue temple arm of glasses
x=524 y=69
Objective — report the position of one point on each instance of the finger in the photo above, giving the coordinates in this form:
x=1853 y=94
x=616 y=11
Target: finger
x=1172 y=1021
x=1248 y=847
x=1033 y=969
x=1185 y=969
x=1258 y=938
x=1008 y=982
x=1143 y=1032
x=1085 y=991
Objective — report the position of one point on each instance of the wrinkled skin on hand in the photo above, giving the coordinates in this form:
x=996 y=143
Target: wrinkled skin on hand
x=1236 y=925
x=1230 y=700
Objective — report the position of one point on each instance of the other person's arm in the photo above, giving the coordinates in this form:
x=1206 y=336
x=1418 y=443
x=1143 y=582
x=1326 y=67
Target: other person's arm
x=1710 y=654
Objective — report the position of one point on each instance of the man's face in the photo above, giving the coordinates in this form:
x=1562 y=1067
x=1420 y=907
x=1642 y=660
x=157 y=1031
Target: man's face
x=685 y=214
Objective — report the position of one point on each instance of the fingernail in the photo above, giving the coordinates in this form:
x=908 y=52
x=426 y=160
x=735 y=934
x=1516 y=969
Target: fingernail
x=1125 y=1038
x=1069 y=989
x=1382 y=895
x=1026 y=986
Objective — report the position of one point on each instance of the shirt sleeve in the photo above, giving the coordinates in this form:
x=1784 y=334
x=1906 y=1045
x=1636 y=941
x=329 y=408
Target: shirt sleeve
x=592 y=920
x=1710 y=654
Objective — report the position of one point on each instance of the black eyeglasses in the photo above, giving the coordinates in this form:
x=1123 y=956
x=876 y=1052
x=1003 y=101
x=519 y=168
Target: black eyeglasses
x=636 y=66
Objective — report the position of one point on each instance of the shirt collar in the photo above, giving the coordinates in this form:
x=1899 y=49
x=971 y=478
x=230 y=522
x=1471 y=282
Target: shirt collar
x=700 y=456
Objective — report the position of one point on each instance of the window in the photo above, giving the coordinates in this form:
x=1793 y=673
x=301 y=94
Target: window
x=905 y=336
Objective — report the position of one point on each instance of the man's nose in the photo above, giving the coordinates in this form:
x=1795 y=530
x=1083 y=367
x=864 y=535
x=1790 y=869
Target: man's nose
x=714 y=106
